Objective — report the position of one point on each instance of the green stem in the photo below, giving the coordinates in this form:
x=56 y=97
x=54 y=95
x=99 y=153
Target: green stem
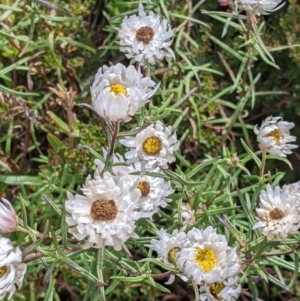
x=112 y=147
x=100 y=259
x=263 y=164
x=71 y=129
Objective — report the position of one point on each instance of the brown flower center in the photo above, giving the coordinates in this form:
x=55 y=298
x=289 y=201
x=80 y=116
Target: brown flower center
x=3 y=271
x=144 y=34
x=152 y=146
x=144 y=187
x=275 y=135
x=215 y=290
x=276 y=214
x=104 y=210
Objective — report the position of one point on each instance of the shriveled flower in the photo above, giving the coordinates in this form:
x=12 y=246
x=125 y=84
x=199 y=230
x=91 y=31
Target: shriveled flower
x=12 y=270
x=153 y=147
x=227 y=290
x=8 y=217
x=207 y=258
x=145 y=39
x=106 y=213
x=278 y=213
x=168 y=248
x=187 y=215
x=118 y=92
x=274 y=136
x=257 y=7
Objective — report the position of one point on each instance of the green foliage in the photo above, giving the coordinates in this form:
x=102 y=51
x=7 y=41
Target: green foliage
x=229 y=74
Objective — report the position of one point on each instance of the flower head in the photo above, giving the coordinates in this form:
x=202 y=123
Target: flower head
x=106 y=213
x=8 y=217
x=258 y=7
x=227 y=290
x=278 y=213
x=153 y=147
x=206 y=257
x=274 y=136
x=145 y=39
x=12 y=270
x=118 y=92
x=168 y=248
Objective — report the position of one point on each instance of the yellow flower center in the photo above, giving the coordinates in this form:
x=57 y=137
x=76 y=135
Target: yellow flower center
x=206 y=259
x=117 y=89
x=172 y=254
x=215 y=290
x=144 y=34
x=276 y=214
x=144 y=187
x=275 y=135
x=3 y=271
x=152 y=146
x=104 y=210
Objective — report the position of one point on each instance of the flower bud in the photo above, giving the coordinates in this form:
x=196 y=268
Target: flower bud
x=8 y=217
x=223 y=2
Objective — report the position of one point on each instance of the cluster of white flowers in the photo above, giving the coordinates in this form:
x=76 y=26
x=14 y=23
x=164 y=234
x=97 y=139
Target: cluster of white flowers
x=258 y=7
x=278 y=213
x=203 y=257
x=12 y=270
x=113 y=202
x=118 y=92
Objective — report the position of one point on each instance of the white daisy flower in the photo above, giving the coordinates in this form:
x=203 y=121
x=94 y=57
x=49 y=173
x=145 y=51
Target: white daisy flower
x=12 y=270
x=118 y=92
x=153 y=147
x=154 y=190
x=227 y=290
x=274 y=136
x=145 y=39
x=206 y=257
x=258 y=7
x=106 y=214
x=168 y=248
x=278 y=213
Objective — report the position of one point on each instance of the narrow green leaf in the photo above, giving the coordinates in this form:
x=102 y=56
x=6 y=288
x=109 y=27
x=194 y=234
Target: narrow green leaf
x=59 y=122
x=17 y=93
x=278 y=283
x=21 y=180
x=225 y=47
x=76 y=44
x=285 y=160
x=252 y=155
x=51 y=45
x=54 y=141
